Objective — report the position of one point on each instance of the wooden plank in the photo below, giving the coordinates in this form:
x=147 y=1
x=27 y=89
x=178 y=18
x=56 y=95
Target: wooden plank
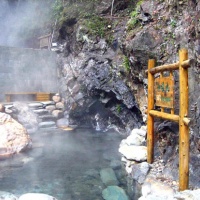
x=163 y=115
x=183 y=128
x=43 y=97
x=150 y=119
x=164 y=92
x=39 y=96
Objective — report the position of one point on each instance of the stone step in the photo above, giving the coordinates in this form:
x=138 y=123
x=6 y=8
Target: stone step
x=49 y=124
x=41 y=111
x=35 y=105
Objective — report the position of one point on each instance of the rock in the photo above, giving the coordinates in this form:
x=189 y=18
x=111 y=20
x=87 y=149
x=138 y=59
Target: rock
x=115 y=164
x=47 y=117
x=92 y=173
x=7 y=196
x=36 y=196
x=161 y=194
x=49 y=124
x=156 y=197
x=35 y=105
x=50 y=108
x=108 y=177
x=137 y=153
x=14 y=137
x=4 y=118
x=41 y=111
x=134 y=139
x=188 y=195
x=195 y=170
x=60 y=105
x=158 y=188
x=63 y=122
x=140 y=171
x=2 y=108
x=56 y=98
x=114 y=193
x=140 y=132
x=47 y=103
x=58 y=114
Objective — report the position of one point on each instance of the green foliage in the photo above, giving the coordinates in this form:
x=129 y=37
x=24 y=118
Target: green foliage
x=173 y=23
x=97 y=25
x=110 y=38
x=126 y=64
x=57 y=9
x=134 y=16
x=119 y=108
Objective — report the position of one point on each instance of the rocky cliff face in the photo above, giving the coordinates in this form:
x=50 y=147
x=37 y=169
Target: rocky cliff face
x=102 y=69
x=92 y=80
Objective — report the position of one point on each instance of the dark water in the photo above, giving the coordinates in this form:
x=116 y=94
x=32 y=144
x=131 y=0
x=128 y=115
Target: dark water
x=64 y=164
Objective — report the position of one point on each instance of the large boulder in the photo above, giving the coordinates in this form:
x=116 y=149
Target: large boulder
x=14 y=137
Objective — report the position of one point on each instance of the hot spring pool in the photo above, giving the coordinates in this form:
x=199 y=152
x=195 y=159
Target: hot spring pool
x=64 y=164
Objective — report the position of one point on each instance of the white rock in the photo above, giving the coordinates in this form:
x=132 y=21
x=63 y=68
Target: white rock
x=144 y=128
x=128 y=168
x=135 y=139
x=7 y=196
x=36 y=196
x=140 y=132
x=137 y=153
x=146 y=189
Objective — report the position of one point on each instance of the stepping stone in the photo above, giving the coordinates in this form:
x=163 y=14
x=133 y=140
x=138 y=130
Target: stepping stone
x=49 y=124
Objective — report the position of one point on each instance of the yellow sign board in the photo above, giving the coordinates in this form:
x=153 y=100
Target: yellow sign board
x=164 y=92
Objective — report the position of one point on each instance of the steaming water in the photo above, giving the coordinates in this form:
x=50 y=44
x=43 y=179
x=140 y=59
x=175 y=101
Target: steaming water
x=64 y=164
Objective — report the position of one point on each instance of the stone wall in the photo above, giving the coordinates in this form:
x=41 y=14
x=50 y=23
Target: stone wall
x=27 y=70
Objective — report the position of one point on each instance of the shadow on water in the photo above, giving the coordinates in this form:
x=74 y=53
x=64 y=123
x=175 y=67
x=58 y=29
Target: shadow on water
x=64 y=164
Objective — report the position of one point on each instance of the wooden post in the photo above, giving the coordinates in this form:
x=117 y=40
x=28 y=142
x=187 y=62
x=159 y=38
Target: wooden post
x=171 y=76
x=150 y=119
x=183 y=128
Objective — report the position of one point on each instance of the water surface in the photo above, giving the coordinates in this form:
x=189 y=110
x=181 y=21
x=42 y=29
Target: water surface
x=64 y=164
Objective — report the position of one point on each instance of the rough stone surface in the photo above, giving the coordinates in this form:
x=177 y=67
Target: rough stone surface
x=56 y=98
x=13 y=137
x=58 y=114
x=140 y=171
x=137 y=153
x=60 y=105
x=114 y=193
x=7 y=196
x=134 y=139
x=108 y=177
x=50 y=108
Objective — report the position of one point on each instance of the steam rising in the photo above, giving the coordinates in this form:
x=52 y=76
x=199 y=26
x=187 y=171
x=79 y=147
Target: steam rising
x=23 y=21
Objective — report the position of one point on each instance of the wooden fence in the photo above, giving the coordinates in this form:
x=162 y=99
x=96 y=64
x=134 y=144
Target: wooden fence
x=45 y=41
x=162 y=90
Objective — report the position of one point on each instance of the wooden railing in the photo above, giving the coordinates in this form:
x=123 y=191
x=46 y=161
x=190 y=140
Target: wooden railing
x=162 y=90
x=28 y=96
